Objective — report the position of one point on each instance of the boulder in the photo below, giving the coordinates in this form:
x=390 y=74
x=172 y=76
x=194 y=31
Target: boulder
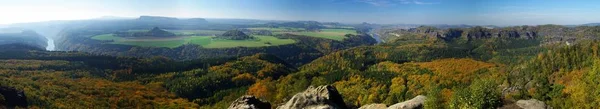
x=531 y=104
x=415 y=103
x=13 y=97
x=322 y=97
x=249 y=102
x=374 y=106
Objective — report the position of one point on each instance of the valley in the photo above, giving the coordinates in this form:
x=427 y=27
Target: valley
x=147 y=63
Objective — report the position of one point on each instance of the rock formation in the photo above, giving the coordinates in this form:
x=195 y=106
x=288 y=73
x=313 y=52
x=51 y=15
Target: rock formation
x=531 y=104
x=374 y=106
x=415 y=103
x=13 y=97
x=249 y=102
x=322 y=97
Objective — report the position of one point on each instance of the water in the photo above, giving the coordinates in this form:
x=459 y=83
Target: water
x=50 y=46
x=375 y=36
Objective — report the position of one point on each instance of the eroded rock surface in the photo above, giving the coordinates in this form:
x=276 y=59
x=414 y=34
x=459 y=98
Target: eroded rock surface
x=415 y=103
x=531 y=104
x=249 y=102
x=322 y=97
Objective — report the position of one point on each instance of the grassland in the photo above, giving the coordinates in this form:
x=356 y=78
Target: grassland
x=189 y=32
x=334 y=34
x=204 y=41
x=281 y=29
x=197 y=32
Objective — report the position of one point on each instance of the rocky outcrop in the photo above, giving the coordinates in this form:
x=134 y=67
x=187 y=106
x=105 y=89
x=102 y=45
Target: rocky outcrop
x=531 y=104
x=249 y=102
x=478 y=33
x=415 y=103
x=13 y=97
x=374 y=106
x=450 y=34
x=322 y=97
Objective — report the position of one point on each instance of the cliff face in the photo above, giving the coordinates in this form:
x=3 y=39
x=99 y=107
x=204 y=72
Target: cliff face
x=545 y=33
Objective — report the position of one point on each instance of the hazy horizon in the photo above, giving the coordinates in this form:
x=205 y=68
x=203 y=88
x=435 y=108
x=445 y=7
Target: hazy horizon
x=470 y=12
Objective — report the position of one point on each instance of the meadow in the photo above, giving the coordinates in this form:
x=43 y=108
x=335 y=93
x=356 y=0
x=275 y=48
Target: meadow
x=334 y=34
x=281 y=29
x=204 y=41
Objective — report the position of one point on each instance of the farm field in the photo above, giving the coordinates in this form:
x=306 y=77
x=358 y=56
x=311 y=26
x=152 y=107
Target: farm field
x=280 y=29
x=197 y=32
x=334 y=34
x=204 y=41
x=189 y=32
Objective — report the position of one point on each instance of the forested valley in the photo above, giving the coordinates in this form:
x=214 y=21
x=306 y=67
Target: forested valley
x=458 y=68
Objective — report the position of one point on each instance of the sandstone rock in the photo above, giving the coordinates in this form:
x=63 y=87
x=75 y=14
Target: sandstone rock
x=13 y=97
x=249 y=102
x=531 y=104
x=322 y=97
x=374 y=106
x=415 y=103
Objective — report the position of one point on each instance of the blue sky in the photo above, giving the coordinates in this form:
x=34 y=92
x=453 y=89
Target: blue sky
x=477 y=12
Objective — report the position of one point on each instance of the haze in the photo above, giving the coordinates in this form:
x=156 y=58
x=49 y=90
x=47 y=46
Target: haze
x=475 y=12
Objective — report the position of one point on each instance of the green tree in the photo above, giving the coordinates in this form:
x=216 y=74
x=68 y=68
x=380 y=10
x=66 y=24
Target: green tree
x=434 y=98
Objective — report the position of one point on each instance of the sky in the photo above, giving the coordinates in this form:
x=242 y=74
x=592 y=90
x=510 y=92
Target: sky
x=473 y=12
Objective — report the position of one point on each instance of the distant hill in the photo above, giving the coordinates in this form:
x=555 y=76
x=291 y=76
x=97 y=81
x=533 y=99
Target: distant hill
x=159 y=19
x=234 y=35
x=239 y=21
x=26 y=37
x=591 y=24
x=19 y=47
x=157 y=32
x=154 y=32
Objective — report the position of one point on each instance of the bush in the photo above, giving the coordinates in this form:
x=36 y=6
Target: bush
x=481 y=94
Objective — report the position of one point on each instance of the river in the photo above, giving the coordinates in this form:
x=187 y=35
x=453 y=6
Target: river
x=373 y=33
x=50 y=46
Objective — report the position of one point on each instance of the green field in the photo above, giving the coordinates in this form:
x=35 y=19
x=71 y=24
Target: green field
x=281 y=29
x=204 y=41
x=335 y=34
x=188 y=32
x=107 y=37
x=201 y=32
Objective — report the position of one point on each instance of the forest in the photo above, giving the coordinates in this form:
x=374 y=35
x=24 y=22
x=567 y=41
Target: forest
x=458 y=68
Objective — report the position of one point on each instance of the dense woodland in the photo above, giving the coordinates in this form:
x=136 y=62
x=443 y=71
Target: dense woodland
x=457 y=68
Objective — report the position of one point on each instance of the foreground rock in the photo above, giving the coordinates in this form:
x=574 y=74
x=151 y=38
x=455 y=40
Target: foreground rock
x=374 y=106
x=322 y=97
x=249 y=102
x=531 y=104
x=415 y=103
x=12 y=97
